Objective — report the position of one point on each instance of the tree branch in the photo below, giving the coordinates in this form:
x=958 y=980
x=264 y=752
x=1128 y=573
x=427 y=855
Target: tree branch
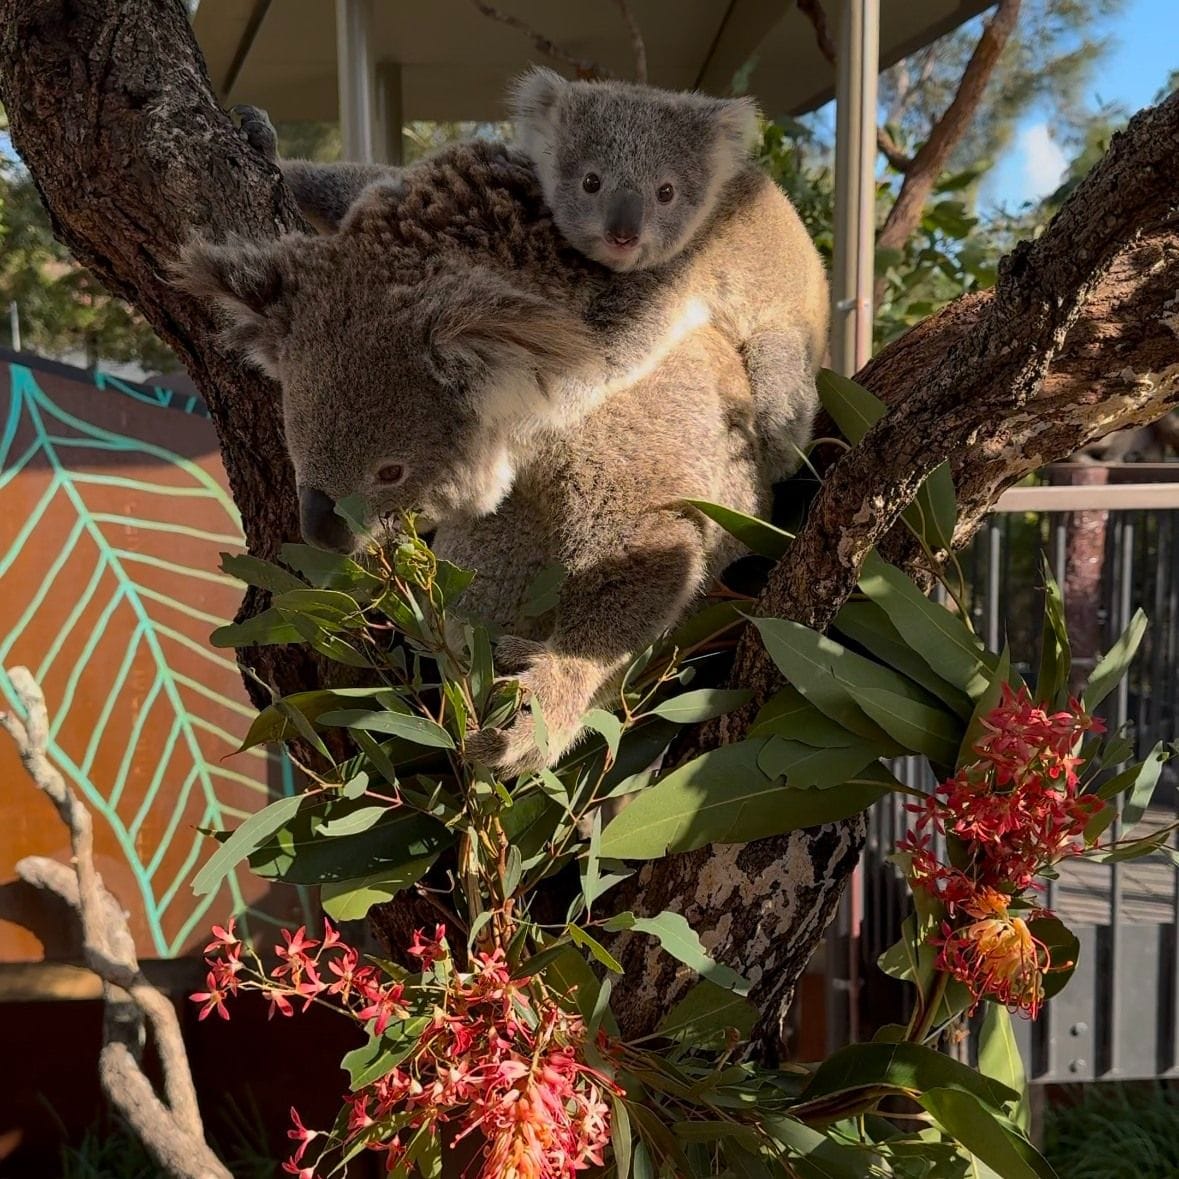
x=976 y=384
x=546 y=45
x=637 y=44
x=927 y=165
x=814 y=11
x=173 y=1133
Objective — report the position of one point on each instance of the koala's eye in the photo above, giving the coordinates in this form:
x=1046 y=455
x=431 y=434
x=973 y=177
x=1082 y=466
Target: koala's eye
x=591 y=182
x=391 y=474
x=665 y=194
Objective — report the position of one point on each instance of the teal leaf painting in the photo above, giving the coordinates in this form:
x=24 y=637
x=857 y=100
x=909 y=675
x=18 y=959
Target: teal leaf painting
x=115 y=513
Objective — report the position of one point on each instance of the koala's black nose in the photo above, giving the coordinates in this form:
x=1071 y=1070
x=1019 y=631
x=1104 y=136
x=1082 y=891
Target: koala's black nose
x=624 y=218
x=319 y=523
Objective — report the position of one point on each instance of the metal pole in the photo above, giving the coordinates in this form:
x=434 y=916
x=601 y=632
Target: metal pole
x=853 y=271
x=390 y=115
x=858 y=63
x=355 y=80
x=14 y=325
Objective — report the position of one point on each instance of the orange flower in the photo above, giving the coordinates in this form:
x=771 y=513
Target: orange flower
x=996 y=956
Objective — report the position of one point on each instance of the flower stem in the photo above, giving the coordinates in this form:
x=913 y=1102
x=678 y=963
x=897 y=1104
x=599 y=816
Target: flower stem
x=928 y=1010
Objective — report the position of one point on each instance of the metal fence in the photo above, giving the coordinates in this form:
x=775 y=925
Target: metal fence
x=1118 y=547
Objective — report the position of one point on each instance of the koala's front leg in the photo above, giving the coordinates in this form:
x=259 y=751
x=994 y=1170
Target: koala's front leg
x=614 y=602
x=785 y=399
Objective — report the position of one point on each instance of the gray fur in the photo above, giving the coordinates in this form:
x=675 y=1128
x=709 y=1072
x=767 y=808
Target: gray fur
x=749 y=257
x=434 y=331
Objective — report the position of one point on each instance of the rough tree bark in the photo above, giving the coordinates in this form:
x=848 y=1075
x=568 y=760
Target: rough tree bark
x=110 y=107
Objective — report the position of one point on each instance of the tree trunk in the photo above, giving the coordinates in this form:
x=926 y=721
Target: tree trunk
x=111 y=109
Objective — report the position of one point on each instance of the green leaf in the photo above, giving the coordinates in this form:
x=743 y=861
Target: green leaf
x=1140 y=781
x=276 y=724
x=583 y=939
x=682 y=942
x=989 y=1138
x=815 y=1156
x=620 y=1138
x=984 y=704
x=329 y=570
x=263 y=574
x=248 y=836
x=805 y=766
x=482 y=673
x=934 y=633
x=874 y=701
x=418 y=729
x=910 y=1068
x=1114 y=663
x=933 y=513
x=355 y=821
x=267 y=629
x=350 y=900
x=705 y=1013
x=299 y=852
x=724 y=797
x=759 y=536
x=608 y=725
x=788 y=713
x=999 y=1059
x=868 y=625
x=1055 y=652
x=1063 y=951
x=383 y=1053
x=691 y=708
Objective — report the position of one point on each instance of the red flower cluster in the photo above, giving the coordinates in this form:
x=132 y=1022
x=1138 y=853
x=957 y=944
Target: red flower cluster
x=1014 y=811
x=494 y=1056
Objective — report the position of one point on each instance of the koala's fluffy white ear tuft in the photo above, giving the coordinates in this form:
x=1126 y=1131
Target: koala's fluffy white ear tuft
x=532 y=101
x=516 y=338
x=243 y=283
x=737 y=123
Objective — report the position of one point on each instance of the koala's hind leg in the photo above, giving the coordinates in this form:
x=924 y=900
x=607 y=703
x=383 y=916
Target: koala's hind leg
x=323 y=192
x=611 y=606
x=785 y=399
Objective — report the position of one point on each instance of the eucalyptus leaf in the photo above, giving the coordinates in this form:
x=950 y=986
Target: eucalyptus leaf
x=683 y=943
x=705 y=1013
x=690 y=708
x=989 y=1138
x=1114 y=663
x=245 y=838
x=999 y=1059
x=759 y=536
x=350 y=900
x=263 y=574
x=418 y=729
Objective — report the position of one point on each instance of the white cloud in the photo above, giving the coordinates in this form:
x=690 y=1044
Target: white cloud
x=1044 y=163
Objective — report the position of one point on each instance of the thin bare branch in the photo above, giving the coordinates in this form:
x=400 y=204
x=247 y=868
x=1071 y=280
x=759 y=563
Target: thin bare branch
x=173 y=1133
x=814 y=11
x=637 y=44
x=546 y=45
x=928 y=163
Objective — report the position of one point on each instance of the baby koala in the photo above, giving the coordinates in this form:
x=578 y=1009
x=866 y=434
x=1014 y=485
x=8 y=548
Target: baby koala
x=637 y=177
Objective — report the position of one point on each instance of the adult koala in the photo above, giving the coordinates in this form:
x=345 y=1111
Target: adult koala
x=418 y=350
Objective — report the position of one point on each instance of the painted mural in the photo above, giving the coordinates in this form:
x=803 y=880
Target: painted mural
x=114 y=509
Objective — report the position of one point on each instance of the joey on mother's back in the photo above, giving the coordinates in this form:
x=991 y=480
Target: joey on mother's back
x=418 y=349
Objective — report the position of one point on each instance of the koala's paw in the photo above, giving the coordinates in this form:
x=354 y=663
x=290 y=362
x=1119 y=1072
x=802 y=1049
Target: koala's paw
x=254 y=123
x=563 y=688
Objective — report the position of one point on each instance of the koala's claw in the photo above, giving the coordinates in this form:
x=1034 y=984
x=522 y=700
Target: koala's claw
x=509 y=751
x=254 y=123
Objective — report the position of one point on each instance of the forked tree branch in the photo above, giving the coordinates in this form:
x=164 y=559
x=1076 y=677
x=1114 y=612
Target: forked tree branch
x=814 y=11
x=171 y=1132
x=546 y=45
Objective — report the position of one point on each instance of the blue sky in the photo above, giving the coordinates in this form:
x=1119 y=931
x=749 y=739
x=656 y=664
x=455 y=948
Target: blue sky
x=1146 y=50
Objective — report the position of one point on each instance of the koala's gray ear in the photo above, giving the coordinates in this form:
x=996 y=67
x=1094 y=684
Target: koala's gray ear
x=510 y=334
x=532 y=101
x=243 y=283
x=737 y=121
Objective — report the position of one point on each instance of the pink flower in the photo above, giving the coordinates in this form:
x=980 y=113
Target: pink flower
x=429 y=950
x=294 y=952
x=291 y=1166
x=213 y=999
x=278 y=1002
x=301 y=1135
x=224 y=938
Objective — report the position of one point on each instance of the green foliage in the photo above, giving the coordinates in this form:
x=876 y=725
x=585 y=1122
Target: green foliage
x=63 y=307
x=1114 y=1131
